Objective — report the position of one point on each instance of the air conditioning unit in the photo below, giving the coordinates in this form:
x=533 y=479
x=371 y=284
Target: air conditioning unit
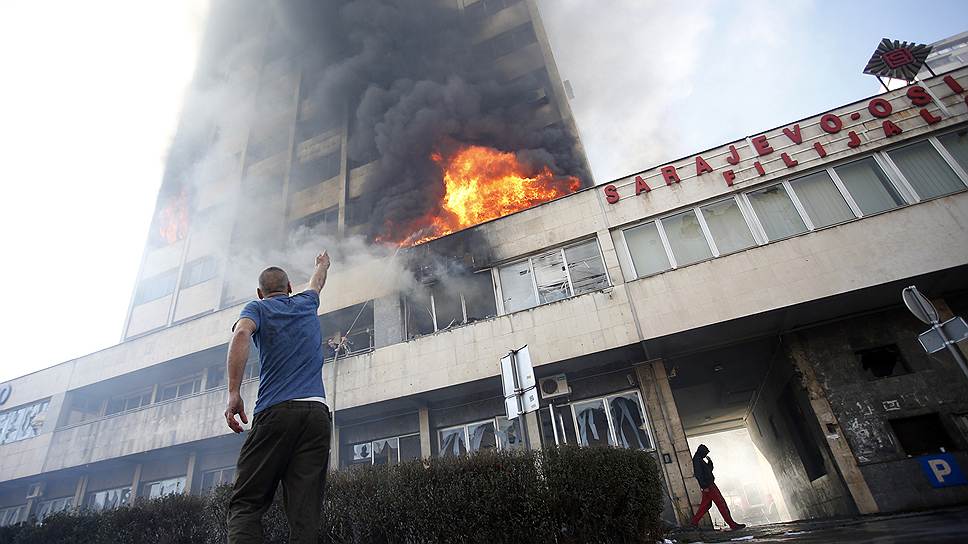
x=554 y=386
x=35 y=490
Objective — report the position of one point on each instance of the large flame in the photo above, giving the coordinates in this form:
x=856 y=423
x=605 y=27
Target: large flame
x=173 y=218
x=483 y=183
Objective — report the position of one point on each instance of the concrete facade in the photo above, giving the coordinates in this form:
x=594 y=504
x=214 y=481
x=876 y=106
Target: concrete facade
x=788 y=323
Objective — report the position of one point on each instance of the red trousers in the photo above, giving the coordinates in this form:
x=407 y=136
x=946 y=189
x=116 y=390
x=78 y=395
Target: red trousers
x=712 y=495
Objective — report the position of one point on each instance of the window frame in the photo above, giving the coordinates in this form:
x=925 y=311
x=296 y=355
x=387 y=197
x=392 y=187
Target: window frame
x=220 y=471
x=198 y=376
x=499 y=290
x=66 y=503
x=127 y=396
x=433 y=308
x=89 y=499
x=146 y=487
x=467 y=438
x=912 y=196
x=370 y=442
x=612 y=437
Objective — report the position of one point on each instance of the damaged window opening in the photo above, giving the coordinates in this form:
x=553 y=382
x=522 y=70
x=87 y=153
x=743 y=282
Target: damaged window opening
x=552 y=276
x=448 y=304
x=882 y=362
x=498 y=433
x=385 y=451
x=315 y=171
x=322 y=221
x=23 y=422
x=171 y=486
x=336 y=325
x=109 y=499
x=615 y=420
x=920 y=435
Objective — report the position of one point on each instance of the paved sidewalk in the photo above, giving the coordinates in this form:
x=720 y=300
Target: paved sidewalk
x=942 y=526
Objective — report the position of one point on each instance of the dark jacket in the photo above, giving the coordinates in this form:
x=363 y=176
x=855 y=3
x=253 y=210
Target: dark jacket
x=702 y=468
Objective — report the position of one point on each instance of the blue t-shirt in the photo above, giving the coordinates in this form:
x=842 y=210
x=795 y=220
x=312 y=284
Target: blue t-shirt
x=290 y=342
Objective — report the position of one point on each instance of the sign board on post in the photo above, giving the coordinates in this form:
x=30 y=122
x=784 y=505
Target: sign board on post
x=936 y=339
x=940 y=335
x=520 y=387
x=942 y=470
x=919 y=305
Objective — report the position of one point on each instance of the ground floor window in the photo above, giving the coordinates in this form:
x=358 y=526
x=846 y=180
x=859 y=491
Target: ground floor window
x=613 y=420
x=53 y=506
x=153 y=490
x=386 y=451
x=109 y=498
x=214 y=478
x=496 y=433
x=12 y=515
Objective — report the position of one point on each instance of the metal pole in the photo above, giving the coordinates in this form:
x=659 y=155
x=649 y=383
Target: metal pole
x=953 y=349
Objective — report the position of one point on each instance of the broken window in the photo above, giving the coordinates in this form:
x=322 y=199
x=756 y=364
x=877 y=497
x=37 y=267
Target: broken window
x=21 y=423
x=552 y=276
x=355 y=323
x=612 y=420
x=557 y=425
x=496 y=433
x=882 y=362
x=109 y=498
x=48 y=507
x=592 y=421
x=448 y=303
x=920 y=435
x=171 y=486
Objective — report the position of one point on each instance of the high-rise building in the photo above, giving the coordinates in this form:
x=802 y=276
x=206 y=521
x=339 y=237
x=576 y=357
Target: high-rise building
x=307 y=115
x=751 y=287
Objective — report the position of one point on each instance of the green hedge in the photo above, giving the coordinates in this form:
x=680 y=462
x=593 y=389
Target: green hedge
x=565 y=495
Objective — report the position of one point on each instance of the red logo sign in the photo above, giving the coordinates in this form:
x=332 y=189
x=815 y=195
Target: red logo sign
x=896 y=58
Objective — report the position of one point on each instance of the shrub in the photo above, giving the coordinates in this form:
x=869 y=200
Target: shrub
x=567 y=495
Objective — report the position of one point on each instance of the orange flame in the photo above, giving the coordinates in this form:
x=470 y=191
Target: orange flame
x=481 y=184
x=173 y=219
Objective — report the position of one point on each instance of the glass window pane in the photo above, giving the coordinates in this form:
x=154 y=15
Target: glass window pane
x=410 y=447
x=452 y=442
x=482 y=436
x=869 y=186
x=509 y=435
x=386 y=452
x=516 y=287
x=629 y=424
x=549 y=273
x=362 y=453
x=821 y=199
x=728 y=226
x=645 y=246
x=586 y=267
x=957 y=144
x=592 y=423
x=925 y=170
x=776 y=212
x=686 y=238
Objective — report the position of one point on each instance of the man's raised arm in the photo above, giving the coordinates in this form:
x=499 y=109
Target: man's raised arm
x=235 y=367
x=318 y=280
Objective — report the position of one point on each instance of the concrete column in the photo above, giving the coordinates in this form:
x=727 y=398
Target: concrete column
x=532 y=428
x=831 y=430
x=334 y=447
x=135 y=484
x=190 y=472
x=675 y=458
x=425 y=449
x=80 y=491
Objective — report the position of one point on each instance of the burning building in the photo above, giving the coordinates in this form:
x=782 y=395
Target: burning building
x=754 y=286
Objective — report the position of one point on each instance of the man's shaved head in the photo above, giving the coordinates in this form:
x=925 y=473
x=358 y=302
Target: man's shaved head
x=273 y=280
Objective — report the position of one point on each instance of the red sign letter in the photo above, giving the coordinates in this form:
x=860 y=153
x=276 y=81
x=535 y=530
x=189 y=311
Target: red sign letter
x=890 y=129
x=729 y=176
x=821 y=152
x=918 y=96
x=831 y=124
x=879 y=107
x=853 y=140
x=761 y=146
x=669 y=174
x=702 y=166
x=929 y=117
x=794 y=134
x=641 y=186
x=611 y=194
x=790 y=163
x=759 y=168
x=953 y=84
x=733 y=157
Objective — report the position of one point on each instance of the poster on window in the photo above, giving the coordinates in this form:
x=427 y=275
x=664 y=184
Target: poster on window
x=361 y=452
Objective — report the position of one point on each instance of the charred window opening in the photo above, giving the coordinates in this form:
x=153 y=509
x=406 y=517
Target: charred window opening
x=552 y=276
x=314 y=171
x=355 y=323
x=505 y=43
x=266 y=142
x=157 y=287
x=919 y=435
x=324 y=221
x=882 y=362
x=450 y=303
x=803 y=440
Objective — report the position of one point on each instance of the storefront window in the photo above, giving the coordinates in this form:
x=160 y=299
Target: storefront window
x=165 y=487
x=109 y=498
x=498 y=432
x=53 y=506
x=453 y=442
x=214 y=478
x=925 y=170
x=821 y=199
x=592 y=422
x=386 y=451
x=616 y=420
x=869 y=186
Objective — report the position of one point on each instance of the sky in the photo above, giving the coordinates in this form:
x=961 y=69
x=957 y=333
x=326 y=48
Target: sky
x=91 y=99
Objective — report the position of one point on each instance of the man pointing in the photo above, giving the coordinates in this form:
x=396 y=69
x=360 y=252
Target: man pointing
x=289 y=440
